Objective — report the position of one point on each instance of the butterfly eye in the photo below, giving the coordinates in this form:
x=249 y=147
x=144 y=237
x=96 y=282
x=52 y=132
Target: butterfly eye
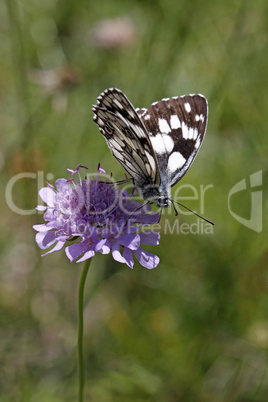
x=166 y=202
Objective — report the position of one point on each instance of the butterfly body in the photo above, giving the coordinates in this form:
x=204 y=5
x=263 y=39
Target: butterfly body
x=156 y=146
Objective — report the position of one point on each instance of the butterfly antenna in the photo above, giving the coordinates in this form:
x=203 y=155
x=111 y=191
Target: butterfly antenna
x=199 y=216
x=175 y=209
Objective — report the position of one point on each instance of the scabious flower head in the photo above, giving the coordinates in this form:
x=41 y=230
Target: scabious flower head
x=100 y=215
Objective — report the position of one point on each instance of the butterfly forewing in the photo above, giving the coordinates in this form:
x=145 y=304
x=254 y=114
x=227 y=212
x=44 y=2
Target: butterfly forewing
x=176 y=127
x=126 y=136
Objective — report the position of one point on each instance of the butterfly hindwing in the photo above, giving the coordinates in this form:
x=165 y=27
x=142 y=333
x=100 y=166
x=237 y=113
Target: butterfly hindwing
x=176 y=127
x=126 y=136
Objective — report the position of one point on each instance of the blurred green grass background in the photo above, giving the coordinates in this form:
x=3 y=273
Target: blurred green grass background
x=196 y=327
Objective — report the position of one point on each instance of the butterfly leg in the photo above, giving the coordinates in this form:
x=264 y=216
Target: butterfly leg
x=140 y=207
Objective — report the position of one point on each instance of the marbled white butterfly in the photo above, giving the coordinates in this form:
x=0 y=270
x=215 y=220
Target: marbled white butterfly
x=156 y=146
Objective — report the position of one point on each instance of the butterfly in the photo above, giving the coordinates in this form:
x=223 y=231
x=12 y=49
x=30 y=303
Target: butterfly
x=155 y=146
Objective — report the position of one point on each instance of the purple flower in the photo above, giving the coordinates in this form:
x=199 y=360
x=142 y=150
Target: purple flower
x=100 y=215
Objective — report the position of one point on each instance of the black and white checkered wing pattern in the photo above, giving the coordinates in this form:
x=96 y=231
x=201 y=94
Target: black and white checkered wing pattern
x=126 y=136
x=176 y=127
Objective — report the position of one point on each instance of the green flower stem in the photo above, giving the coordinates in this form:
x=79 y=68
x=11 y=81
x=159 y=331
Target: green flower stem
x=81 y=330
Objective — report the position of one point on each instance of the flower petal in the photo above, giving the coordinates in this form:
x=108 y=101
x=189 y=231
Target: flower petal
x=75 y=250
x=131 y=241
x=150 y=237
x=99 y=244
x=154 y=217
x=41 y=228
x=101 y=247
x=127 y=254
x=58 y=247
x=105 y=249
x=45 y=239
x=117 y=256
x=41 y=208
x=146 y=259
x=60 y=184
x=88 y=254
x=48 y=196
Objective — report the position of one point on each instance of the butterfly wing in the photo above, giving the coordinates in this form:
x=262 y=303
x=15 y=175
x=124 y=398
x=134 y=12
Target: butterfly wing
x=126 y=136
x=176 y=127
